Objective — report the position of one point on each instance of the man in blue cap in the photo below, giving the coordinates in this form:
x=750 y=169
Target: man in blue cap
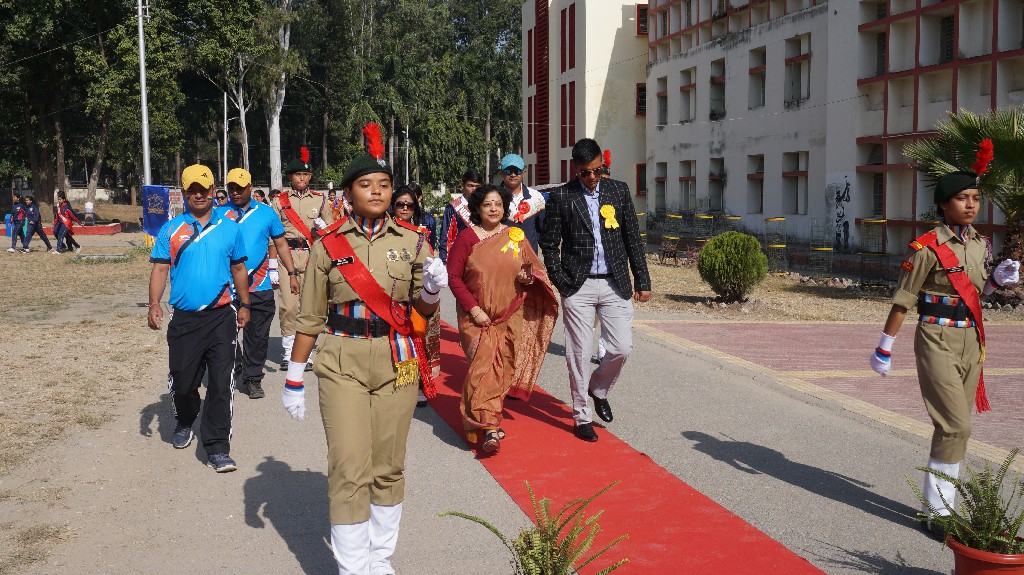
x=527 y=207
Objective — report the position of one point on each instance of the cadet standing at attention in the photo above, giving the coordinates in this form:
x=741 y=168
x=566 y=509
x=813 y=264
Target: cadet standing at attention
x=369 y=287
x=302 y=212
x=944 y=273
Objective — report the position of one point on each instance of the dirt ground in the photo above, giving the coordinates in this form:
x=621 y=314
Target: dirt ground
x=77 y=345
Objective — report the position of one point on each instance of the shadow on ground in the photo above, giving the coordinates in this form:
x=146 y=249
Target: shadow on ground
x=868 y=562
x=162 y=413
x=756 y=459
x=294 y=503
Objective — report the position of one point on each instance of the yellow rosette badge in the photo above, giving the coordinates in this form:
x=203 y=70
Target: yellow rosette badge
x=608 y=213
x=515 y=235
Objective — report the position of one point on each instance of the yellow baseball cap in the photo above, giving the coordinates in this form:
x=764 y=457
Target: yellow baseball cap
x=239 y=176
x=196 y=174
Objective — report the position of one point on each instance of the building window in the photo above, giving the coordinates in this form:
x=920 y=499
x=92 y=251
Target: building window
x=881 y=47
x=756 y=91
x=662 y=23
x=572 y=36
x=529 y=125
x=563 y=37
x=572 y=113
x=755 y=184
x=688 y=185
x=529 y=57
x=641 y=99
x=717 y=92
x=688 y=95
x=946 y=39
x=798 y=69
x=641 y=19
x=716 y=185
x=563 y=113
x=662 y=99
x=794 y=182
x=565 y=171
x=878 y=194
x=688 y=14
x=641 y=179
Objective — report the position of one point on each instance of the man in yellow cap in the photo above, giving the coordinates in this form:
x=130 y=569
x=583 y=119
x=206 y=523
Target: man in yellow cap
x=302 y=212
x=204 y=256
x=260 y=227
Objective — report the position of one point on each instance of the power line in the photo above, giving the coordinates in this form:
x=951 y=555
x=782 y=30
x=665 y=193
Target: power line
x=62 y=46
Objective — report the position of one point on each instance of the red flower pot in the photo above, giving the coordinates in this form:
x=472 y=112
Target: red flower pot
x=968 y=561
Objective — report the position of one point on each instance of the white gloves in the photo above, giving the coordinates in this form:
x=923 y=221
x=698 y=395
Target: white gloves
x=275 y=278
x=294 y=396
x=320 y=224
x=1006 y=273
x=881 y=360
x=435 y=277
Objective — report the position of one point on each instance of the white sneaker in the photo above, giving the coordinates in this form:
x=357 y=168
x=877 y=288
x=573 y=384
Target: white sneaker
x=25 y=250
x=78 y=250
x=10 y=250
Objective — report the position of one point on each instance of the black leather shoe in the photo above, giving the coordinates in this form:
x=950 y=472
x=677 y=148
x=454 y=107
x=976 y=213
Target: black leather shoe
x=603 y=409
x=585 y=431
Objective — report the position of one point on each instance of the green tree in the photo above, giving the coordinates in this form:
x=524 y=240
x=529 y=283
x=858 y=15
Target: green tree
x=955 y=148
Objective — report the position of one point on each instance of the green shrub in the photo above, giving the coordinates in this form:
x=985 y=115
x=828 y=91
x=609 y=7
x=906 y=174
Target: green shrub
x=732 y=264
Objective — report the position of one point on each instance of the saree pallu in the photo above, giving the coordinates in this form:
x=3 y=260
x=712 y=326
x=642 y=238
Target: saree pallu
x=506 y=356
x=433 y=342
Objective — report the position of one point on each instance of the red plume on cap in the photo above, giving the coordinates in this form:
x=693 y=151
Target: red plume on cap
x=985 y=155
x=304 y=154
x=607 y=158
x=374 y=140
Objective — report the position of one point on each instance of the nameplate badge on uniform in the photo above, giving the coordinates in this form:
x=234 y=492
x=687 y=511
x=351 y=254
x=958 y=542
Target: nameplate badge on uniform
x=343 y=261
x=392 y=255
x=907 y=265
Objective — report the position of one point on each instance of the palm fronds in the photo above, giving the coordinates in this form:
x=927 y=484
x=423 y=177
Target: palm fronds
x=556 y=544
x=985 y=519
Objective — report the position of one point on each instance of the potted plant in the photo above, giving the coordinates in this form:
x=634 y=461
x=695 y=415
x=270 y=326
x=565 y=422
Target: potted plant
x=982 y=530
x=555 y=544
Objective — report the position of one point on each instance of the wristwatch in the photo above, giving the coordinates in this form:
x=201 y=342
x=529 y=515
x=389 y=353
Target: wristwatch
x=294 y=273
x=245 y=305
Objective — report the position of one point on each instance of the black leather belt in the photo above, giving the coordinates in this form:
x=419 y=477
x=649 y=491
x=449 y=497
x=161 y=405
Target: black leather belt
x=348 y=325
x=954 y=312
x=598 y=276
x=297 y=244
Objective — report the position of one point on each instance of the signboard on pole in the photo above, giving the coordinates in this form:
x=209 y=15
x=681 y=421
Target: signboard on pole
x=155 y=204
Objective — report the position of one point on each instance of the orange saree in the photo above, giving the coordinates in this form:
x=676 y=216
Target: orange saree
x=504 y=357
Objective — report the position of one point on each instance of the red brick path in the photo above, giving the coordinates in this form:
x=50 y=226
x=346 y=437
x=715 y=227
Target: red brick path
x=829 y=347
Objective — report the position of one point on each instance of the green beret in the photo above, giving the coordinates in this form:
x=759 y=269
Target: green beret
x=362 y=165
x=953 y=183
x=297 y=165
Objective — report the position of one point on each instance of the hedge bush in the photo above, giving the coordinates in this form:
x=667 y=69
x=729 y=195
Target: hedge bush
x=732 y=264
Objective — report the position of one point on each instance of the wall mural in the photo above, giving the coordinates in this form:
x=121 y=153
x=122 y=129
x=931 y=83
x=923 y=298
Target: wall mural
x=837 y=199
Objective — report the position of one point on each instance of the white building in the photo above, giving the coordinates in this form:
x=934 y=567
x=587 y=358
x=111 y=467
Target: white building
x=801 y=108
x=583 y=64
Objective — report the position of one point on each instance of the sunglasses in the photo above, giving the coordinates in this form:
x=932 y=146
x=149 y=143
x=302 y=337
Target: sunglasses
x=221 y=197
x=405 y=205
x=599 y=171
x=513 y=171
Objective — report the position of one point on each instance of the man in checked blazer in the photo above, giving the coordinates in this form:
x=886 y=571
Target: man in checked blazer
x=591 y=243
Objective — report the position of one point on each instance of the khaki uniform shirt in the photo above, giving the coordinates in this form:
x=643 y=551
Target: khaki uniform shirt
x=309 y=206
x=926 y=274
x=391 y=258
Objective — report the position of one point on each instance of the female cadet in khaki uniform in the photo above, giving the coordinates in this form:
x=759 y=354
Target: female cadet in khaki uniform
x=949 y=343
x=367 y=371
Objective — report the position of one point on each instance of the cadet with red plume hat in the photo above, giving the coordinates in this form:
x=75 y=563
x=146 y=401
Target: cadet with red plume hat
x=945 y=273
x=303 y=213
x=371 y=285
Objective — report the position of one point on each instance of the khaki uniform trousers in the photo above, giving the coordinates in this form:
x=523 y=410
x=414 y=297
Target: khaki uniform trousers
x=367 y=423
x=287 y=302
x=948 y=369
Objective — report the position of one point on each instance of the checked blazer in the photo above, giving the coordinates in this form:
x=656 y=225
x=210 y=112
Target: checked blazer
x=568 y=239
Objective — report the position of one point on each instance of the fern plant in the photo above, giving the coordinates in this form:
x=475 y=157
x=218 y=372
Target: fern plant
x=985 y=519
x=556 y=544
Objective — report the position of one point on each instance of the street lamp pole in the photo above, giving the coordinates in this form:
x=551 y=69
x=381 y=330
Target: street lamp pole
x=407 y=153
x=224 y=169
x=143 y=12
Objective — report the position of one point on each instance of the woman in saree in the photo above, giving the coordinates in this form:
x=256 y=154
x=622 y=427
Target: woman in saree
x=506 y=309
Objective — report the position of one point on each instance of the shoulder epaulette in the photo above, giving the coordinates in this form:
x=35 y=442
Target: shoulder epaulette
x=923 y=240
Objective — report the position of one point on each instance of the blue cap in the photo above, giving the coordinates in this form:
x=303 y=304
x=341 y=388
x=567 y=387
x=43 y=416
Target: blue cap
x=512 y=160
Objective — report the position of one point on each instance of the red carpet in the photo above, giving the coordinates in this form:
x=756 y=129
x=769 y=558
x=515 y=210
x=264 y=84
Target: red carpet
x=673 y=529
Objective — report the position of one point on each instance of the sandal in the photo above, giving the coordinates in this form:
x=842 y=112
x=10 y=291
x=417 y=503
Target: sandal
x=492 y=442
x=501 y=434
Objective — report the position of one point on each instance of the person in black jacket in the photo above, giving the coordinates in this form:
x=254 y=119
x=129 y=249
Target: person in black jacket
x=34 y=224
x=17 y=220
x=595 y=257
